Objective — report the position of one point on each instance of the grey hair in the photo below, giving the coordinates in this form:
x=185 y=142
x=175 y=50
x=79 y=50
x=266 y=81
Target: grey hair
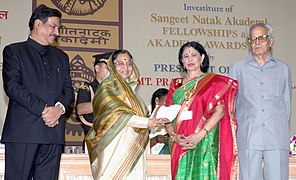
x=268 y=27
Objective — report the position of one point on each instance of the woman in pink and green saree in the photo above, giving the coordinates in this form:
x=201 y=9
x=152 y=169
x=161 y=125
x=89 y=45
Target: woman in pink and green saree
x=116 y=143
x=203 y=135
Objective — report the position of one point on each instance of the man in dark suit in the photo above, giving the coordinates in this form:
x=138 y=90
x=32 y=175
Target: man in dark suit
x=37 y=81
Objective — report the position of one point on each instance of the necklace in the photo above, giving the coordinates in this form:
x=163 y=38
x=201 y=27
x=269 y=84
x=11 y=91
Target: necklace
x=188 y=93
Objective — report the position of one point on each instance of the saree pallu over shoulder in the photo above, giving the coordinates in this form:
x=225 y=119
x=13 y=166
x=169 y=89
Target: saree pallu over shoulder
x=210 y=91
x=114 y=104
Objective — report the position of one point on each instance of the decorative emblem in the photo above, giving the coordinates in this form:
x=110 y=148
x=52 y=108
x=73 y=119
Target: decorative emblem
x=79 y=7
x=79 y=73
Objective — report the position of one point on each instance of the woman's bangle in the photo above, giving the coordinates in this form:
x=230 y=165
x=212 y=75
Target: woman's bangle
x=206 y=131
x=173 y=137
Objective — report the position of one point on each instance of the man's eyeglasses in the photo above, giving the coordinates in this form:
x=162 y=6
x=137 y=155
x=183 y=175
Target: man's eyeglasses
x=123 y=64
x=262 y=38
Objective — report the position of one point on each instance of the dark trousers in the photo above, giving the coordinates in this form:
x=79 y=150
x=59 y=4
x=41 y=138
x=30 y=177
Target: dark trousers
x=32 y=161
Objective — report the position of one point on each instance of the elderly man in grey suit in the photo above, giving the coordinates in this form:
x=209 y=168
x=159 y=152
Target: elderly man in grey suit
x=263 y=109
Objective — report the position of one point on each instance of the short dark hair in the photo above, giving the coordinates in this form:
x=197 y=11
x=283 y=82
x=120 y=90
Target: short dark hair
x=158 y=94
x=197 y=46
x=42 y=12
x=121 y=51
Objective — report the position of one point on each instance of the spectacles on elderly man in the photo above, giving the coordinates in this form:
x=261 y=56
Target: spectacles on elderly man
x=123 y=64
x=261 y=38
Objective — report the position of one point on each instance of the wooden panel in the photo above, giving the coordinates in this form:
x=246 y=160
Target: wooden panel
x=158 y=164
x=77 y=165
x=292 y=168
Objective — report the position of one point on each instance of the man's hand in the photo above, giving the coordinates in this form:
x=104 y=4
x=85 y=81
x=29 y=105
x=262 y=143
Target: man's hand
x=51 y=115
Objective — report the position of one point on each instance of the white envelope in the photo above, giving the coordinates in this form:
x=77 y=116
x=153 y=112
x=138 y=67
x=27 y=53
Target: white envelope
x=169 y=112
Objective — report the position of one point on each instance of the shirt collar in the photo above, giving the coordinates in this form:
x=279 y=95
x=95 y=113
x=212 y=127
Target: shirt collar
x=250 y=58
x=40 y=48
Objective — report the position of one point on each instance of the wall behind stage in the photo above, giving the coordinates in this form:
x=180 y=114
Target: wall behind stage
x=14 y=17
x=153 y=32
x=87 y=29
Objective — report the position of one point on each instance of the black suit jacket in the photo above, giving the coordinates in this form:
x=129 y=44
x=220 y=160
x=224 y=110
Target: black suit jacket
x=34 y=76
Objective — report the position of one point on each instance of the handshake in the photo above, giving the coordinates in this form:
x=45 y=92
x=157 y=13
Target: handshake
x=163 y=114
x=167 y=112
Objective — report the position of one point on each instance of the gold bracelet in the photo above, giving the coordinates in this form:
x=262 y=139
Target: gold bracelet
x=173 y=137
x=207 y=131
